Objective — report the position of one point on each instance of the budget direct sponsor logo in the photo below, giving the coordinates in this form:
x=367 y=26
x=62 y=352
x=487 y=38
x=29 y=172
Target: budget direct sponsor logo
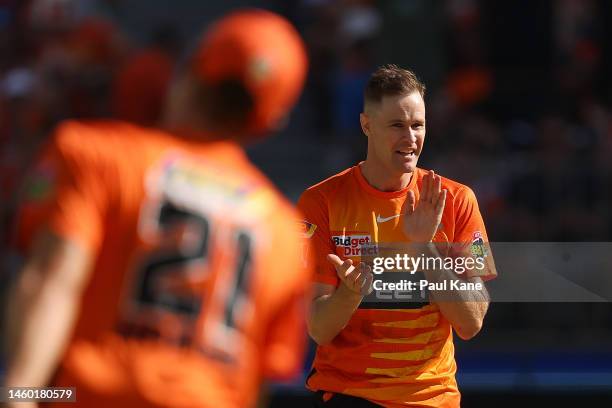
x=355 y=244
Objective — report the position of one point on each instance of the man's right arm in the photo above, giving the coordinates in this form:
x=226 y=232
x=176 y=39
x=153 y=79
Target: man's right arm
x=339 y=286
x=333 y=307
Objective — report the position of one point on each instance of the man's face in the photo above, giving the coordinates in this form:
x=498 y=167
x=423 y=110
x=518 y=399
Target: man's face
x=396 y=131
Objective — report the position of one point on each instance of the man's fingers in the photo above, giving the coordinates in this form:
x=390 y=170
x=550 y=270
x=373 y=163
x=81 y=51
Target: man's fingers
x=362 y=268
x=355 y=277
x=424 y=188
x=365 y=268
x=437 y=189
x=441 y=202
x=365 y=280
x=430 y=186
x=359 y=279
x=352 y=277
x=410 y=202
x=334 y=260
x=367 y=288
x=342 y=267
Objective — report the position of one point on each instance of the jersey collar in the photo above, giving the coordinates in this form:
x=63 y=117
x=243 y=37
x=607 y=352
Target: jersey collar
x=363 y=183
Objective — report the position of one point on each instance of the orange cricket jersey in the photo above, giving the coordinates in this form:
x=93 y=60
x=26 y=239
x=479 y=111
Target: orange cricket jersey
x=197 y=289
x=393 y=357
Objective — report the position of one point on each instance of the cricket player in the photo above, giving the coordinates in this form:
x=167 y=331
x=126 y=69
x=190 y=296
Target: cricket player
x=402 y=357
x=163 y=269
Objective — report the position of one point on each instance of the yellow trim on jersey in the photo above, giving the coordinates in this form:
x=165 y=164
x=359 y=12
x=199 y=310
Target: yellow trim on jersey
x=430 y=320
x=414 y=355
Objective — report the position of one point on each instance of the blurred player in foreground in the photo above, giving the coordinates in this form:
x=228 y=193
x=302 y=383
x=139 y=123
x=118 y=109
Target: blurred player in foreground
x=164 y=268
x=401 y=357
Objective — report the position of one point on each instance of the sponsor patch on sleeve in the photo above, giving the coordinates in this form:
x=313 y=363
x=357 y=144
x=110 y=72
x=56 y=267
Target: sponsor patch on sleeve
x=478 y=247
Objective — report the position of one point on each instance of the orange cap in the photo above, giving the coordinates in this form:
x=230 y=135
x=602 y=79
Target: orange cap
x=265 y=52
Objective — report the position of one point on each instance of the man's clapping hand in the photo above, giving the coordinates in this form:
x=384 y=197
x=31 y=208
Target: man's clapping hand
x=357 y=279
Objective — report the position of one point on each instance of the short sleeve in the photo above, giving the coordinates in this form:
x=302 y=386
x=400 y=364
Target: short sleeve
x=313 y=206
x=470 y=234
x=64 y=193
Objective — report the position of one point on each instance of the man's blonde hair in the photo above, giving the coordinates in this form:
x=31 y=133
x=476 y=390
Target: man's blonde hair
x=391 y=80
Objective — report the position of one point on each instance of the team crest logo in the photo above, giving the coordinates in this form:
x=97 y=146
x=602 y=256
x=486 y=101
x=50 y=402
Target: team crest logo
x=307 y=229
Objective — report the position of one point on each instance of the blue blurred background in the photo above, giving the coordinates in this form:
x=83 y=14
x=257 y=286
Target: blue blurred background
x=519 y=96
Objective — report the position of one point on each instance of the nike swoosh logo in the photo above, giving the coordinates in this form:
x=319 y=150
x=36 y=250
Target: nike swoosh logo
x=380 y=219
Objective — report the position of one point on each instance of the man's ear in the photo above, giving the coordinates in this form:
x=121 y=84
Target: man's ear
x=364 y=120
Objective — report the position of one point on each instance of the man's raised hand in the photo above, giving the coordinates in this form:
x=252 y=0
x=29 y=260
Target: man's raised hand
x=356 y=279
x=421 y=220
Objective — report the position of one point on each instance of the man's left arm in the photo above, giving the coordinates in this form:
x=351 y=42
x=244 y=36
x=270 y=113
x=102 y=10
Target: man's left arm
x=42 y=309
x=60 y=230
x=464 y=309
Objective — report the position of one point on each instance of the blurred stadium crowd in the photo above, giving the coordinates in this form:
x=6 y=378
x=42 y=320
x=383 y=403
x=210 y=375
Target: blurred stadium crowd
x=519 y=97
